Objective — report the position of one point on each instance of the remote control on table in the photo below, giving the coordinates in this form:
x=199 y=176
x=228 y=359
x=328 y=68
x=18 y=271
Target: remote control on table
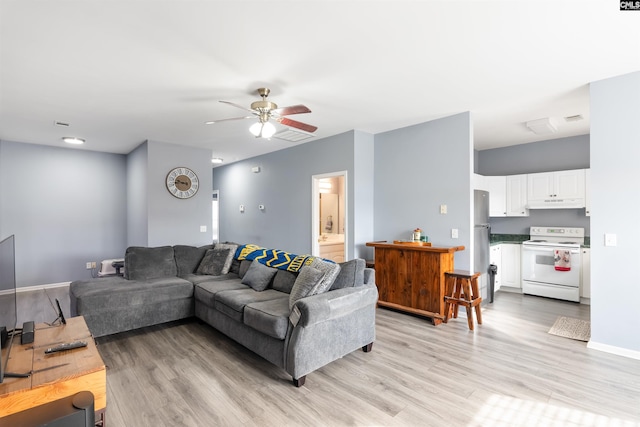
x=66 y=346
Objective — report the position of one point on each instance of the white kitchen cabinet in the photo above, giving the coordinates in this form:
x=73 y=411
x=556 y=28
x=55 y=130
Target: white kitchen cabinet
x=587 y=192
x=479 y=182
x=585 y=289
x=511 y=265
x=516 y=195
x=497 y=187
x=556 y=185
x=495 y=257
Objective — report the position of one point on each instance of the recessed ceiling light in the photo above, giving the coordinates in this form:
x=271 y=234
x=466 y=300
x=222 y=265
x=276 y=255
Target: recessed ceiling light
x=217 y=160
x=73 y=140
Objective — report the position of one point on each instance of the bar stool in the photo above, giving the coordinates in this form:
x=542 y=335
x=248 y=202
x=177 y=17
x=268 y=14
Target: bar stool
x=462 y=289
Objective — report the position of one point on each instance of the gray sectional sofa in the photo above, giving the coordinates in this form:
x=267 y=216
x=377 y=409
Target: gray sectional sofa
x=299 y=314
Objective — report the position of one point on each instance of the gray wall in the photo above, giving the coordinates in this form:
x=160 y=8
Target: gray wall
x=173 y=221
x=363 y=197
x=615 y=186
x=284 y=186
x=543 y=156
x=137 y=199
x=65 y=206
x=417 y=169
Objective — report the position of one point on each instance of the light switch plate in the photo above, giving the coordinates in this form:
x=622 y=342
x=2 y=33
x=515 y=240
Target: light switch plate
x=203 y=228
x=454 y=233
x=443 y=209
x=610 y=239
x=241 y=208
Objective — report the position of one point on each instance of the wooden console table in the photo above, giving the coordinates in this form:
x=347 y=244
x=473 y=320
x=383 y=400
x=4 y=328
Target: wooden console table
x=56 y=375
x=410 y=277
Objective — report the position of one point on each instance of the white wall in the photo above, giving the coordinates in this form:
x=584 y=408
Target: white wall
x=615 y=189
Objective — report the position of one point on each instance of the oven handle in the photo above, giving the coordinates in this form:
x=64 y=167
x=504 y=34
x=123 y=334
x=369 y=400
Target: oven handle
x=545 y=249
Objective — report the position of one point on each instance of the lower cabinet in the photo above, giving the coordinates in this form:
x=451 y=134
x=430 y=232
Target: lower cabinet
x=506 y=256
x=334 y=252
x=495 y=258
x=511 y=265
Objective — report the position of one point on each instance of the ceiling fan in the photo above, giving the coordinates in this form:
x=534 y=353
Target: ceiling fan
x=265 y=110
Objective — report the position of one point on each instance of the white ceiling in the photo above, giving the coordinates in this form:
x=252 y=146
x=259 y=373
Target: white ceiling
x=122 y=72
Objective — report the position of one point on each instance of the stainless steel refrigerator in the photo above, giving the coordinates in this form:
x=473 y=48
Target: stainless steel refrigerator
x=481 y=233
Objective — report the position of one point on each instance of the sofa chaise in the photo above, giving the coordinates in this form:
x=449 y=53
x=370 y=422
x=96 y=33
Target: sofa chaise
x=298 y=312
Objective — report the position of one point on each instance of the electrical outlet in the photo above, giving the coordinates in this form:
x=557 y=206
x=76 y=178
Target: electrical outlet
x=454 y=233
x=89 y=266
x=443 y=209
x=610 y=239
x=93 y=264
x=203 y=228
x=241 y=208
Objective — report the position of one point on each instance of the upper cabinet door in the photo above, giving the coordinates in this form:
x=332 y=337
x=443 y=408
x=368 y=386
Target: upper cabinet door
x=570 y=184
x=497 y=187
x=556 y=185
x=517 y=195
x=540 y=186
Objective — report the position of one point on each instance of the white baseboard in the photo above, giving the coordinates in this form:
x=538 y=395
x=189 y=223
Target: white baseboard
x=632 y=354
x=40 y=287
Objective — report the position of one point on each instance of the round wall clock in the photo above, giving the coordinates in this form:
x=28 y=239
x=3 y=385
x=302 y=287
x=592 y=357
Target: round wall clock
x=182 y=182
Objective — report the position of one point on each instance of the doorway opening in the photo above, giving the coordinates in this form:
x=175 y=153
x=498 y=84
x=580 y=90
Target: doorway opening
x=329 y=210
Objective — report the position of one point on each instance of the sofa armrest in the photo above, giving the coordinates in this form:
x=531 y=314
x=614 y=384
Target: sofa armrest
x=333 y=304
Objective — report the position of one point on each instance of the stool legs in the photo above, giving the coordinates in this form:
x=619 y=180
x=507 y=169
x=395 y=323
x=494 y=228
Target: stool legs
x=462 y=289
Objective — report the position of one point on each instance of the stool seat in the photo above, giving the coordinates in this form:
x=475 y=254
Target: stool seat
x=462 y=289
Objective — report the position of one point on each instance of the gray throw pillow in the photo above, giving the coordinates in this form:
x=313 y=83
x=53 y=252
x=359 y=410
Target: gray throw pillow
x=214 y=261
x=258 y=276
x=330 y=270
x=232 y=251
x=305 y=284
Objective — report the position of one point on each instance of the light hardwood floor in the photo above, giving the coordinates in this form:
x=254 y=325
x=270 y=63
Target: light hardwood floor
x=508 y=372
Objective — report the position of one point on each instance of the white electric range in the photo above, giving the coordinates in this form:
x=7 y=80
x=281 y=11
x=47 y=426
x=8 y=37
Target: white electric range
x=551 y=262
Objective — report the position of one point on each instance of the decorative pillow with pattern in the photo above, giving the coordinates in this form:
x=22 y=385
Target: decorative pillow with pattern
x=214 y=262
x=305 y=284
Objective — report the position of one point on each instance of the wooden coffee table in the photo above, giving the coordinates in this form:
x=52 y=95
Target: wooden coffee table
x=55 y=375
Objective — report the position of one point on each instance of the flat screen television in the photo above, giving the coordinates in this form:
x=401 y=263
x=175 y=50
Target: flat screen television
x=8 y=306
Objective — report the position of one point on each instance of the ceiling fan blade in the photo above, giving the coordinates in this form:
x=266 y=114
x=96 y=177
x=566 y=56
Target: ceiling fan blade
x=298 y=125
x=238 y=106
x=293 y=109
x=226 y=120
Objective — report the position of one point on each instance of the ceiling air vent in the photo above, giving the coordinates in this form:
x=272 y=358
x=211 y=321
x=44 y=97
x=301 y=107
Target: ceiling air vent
x=544 y=126
x=575 y=118
x=293 y=135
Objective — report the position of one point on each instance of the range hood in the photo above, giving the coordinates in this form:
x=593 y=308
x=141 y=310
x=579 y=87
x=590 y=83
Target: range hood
x=556 y=204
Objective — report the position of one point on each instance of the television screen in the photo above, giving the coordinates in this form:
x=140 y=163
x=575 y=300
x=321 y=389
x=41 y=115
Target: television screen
x=8 y=312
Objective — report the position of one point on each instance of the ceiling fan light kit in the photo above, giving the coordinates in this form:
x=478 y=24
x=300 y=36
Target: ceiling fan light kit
x=265 y=110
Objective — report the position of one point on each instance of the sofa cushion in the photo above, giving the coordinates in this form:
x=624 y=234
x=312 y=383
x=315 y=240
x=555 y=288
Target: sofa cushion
x=149 y=263
x=216 y=261
x=307 y=282
x=259 y=276
x=205 y=292
x=269 y=317
x=232 y=302
x=114 y=292
x=200 y=278
x=330 y=270
x=351 y=274
x=188 y=258
x=284 y=280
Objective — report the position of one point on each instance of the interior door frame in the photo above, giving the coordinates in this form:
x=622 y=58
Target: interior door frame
x=315 y=210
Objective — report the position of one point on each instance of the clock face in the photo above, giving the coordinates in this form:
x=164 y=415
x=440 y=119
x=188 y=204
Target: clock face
x=182 y=182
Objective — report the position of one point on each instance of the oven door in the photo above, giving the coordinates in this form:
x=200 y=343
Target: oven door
x=538 y=266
